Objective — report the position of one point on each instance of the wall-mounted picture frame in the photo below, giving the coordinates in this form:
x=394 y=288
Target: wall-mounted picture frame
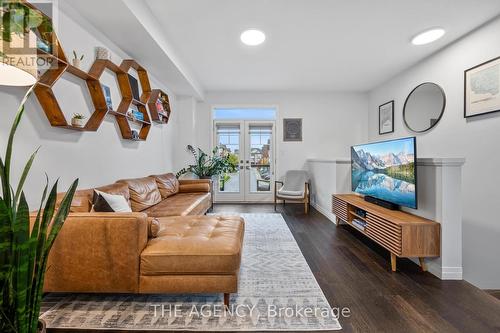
x=292 y=129
x=482 y=89
x=386 y=118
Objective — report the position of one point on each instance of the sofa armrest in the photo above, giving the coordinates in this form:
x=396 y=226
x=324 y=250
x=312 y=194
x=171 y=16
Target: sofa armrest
x=195 y=185
x=97 y=252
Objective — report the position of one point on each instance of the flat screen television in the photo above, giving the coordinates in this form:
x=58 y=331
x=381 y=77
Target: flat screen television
x=386 y=171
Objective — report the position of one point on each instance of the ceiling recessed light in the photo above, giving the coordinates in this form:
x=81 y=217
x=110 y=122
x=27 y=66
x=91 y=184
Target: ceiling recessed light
x=252 y=37
x=428 y=36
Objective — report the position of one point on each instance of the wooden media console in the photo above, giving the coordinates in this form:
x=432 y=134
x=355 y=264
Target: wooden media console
x=402 y=234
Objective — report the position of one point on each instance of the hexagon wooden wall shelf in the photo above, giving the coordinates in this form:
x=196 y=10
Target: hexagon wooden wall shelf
x=50 y=106
x=60 y=65
x=157 y=94
x=123 y=123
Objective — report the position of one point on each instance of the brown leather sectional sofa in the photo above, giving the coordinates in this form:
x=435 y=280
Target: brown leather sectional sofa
x=115 y=252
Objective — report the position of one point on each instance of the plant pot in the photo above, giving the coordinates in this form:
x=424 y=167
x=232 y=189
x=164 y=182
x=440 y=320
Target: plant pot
x=206 y=177
x=42 y=326
x=77 y=122
x=76 y=63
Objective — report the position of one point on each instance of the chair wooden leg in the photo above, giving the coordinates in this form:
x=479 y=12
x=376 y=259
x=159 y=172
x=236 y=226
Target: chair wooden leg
x=306 y=208
x=226 y=299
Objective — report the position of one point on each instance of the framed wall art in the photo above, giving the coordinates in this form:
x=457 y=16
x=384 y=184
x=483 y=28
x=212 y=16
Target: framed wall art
x=386 y=118
x=292 y=129
x=482 y=89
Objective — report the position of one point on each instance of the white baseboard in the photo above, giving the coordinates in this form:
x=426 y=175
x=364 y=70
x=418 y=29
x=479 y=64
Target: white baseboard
x=452 y=273
x=325 y=211
x=443 y=273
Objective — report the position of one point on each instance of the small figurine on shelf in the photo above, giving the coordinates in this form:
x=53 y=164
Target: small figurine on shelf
x=77 y=60
x=78 y=120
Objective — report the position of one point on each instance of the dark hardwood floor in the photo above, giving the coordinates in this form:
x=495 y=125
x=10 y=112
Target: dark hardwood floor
x=354 y=272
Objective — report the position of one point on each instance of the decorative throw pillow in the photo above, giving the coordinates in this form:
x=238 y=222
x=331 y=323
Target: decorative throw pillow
x=154 y=227
x=104 y=202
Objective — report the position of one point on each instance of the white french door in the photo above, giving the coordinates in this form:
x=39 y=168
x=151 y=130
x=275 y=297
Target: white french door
x=253 y=142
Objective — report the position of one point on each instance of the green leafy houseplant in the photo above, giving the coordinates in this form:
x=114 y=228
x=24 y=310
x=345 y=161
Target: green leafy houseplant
x=221 y=162
x=24 y=248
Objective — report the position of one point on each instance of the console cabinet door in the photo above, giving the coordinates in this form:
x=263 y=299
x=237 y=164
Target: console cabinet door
x=384 y=232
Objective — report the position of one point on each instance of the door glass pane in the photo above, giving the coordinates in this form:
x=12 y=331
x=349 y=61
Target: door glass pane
x=260 y=158
x=228 y=136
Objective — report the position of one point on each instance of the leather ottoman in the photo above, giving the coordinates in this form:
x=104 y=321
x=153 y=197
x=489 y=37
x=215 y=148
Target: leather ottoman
x=193 y=254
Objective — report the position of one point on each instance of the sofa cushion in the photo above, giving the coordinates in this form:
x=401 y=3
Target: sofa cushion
x=144 y=192
x=194 y=245
x=181 y=204
x=105 y=202
x=168 y=184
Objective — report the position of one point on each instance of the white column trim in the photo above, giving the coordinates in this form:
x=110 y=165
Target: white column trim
x=440 y=162
x=333 y=161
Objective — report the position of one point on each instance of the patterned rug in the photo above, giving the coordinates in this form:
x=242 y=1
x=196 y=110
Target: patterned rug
x=277 y=291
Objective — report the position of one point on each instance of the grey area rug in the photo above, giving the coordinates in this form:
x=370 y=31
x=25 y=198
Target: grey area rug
x=277 y=291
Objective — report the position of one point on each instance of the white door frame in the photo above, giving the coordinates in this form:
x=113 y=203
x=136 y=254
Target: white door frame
x=275 y=143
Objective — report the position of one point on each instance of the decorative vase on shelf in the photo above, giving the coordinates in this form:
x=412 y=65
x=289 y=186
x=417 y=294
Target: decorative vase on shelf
x=102 y=53
x=76 y=63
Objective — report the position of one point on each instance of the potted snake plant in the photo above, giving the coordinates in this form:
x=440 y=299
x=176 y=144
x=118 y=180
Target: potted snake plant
x=25 y=245
x=25 y=241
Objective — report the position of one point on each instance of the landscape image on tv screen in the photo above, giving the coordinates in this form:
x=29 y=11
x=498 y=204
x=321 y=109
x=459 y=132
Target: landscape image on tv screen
x=386 y=170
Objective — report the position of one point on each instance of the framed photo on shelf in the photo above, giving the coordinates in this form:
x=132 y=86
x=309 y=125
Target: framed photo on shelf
x=292 y=129
x=386 y=118
x=107 y=96
x=482 y=89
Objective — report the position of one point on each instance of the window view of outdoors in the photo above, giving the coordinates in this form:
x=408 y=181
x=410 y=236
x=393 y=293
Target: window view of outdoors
x=260 y=158
x=228 y=136
x=248 y=134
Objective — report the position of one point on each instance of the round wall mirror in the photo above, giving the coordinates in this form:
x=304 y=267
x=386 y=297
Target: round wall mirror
x=424 y=107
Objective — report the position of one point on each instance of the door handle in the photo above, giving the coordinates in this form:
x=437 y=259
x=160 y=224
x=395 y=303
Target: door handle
x=241 y=167
x=248 y=167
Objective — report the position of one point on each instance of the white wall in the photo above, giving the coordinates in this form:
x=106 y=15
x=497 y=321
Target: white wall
x=475 y=139
x=331 y=122
x=328 y=176
x=96 y=158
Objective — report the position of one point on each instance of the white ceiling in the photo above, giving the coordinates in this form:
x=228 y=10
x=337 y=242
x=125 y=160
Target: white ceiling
x=193 y=46
x=344 y=45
